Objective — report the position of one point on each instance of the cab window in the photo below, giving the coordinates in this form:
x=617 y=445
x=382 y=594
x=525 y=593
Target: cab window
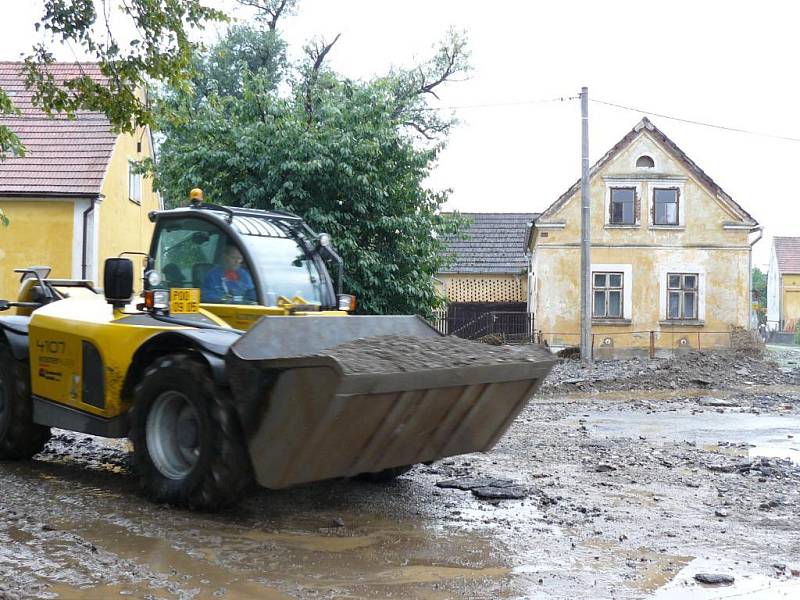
x=193 y=253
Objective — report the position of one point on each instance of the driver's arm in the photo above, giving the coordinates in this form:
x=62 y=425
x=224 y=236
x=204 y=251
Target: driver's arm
x=212 y=290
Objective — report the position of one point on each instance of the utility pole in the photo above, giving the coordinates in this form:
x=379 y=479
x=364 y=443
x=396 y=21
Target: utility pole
x=586 y=238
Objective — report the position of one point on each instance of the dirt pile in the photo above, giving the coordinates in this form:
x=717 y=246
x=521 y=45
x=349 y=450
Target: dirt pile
x=694 y=369
x=387 y=354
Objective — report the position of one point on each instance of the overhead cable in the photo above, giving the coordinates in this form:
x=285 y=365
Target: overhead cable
x=693 y=122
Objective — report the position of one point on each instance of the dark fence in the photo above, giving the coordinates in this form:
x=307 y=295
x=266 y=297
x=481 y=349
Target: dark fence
x=504 y=327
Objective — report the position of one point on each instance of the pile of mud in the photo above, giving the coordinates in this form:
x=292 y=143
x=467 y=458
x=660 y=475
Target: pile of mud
x=390 y=354
x=713 y=370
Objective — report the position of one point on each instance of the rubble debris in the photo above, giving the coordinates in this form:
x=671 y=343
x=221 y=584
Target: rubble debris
x=722 y=369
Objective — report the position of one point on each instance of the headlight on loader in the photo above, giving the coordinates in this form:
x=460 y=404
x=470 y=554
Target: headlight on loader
x=346 y=302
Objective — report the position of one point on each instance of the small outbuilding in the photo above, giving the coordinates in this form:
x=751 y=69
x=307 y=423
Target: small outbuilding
x=488 y=272
x=783 y=285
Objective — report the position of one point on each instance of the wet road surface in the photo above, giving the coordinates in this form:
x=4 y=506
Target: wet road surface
x=629 y=497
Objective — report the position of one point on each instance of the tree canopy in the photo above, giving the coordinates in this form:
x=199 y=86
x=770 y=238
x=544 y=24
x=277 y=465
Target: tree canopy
x=350 y=157
x=159 y=50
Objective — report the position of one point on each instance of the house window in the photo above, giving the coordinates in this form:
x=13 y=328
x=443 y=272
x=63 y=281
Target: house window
x=134 y=183
x=607 y=295
x=645 y=162
x=682 y=294
x=665 y=206
x=622 y=206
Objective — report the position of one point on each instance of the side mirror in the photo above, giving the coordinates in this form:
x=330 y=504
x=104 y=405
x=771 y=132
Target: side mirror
x=118 y=281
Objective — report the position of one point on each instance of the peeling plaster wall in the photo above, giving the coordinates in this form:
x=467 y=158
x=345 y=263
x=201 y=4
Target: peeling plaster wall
x=699 y=244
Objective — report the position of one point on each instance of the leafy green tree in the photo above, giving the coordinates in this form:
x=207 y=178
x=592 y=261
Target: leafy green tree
x=759 y=285
x=350 y=156
x=759 y=279
x=160 y=50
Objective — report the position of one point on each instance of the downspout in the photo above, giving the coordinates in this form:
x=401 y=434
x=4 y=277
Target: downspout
x=760 y=231
x=85 y=241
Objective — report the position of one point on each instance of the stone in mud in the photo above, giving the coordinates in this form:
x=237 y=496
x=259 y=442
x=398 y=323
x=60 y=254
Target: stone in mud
x=718 y=402
x=714 y=578
x=604 y=468
x=471 y=483
x=514 y=492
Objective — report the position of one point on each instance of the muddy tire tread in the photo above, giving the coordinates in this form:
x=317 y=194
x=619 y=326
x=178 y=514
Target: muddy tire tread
x=24 y=438
x=223 y=473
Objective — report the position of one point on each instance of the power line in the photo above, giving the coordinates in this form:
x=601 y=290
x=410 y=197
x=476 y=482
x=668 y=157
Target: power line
x=503 y=104
x=693 y=122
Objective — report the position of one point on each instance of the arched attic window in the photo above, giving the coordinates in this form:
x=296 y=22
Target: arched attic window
x=645 y=162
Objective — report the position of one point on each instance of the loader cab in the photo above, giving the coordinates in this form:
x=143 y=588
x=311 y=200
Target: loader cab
x=239 y=258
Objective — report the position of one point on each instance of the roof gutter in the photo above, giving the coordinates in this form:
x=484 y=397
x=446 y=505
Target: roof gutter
x=49 y=195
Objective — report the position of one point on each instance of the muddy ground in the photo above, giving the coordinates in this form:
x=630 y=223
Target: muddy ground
x=635 y=476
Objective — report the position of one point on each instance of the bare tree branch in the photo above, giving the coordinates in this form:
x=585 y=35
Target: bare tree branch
x=317 y=51
x=271 y=9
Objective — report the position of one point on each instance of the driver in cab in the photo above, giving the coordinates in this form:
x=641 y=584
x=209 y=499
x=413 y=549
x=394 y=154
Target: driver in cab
x=229 y=283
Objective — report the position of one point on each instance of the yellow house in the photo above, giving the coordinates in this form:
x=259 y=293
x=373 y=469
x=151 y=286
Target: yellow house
x=75 y=198
x=670 y=254
x=783 y=285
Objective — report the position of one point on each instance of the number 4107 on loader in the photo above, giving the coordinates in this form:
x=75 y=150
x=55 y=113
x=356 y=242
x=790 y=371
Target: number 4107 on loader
x=240 y=362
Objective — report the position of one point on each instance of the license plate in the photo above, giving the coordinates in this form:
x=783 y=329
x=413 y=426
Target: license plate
x=184 y=300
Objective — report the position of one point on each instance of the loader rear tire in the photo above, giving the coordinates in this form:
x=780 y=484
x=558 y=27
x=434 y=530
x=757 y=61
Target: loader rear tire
x=384 y=476
x=20 y=437
x=188 y=446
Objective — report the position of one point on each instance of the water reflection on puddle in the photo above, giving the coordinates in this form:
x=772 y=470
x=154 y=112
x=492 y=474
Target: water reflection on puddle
x=767 y=435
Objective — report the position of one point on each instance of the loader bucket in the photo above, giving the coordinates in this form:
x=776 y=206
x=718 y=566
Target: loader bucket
x=322 y=397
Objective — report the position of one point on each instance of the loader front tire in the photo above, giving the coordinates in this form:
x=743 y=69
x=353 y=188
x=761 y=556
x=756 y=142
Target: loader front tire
x=20 y=437
x=188 y=446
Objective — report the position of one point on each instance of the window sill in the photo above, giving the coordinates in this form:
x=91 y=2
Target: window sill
x=137 y=202
x=682 y=323
x=669 y=227
x=620 y=322
x=621 y=226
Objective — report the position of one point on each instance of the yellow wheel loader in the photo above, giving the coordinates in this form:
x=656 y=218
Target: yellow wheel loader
x=240 y=362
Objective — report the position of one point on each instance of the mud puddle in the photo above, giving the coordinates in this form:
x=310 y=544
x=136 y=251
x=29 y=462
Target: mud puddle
x=746 y=586
x=761 y=435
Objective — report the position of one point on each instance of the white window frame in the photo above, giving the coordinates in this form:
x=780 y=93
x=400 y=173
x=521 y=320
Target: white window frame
x=651 y=199
x=607 y=289
x=681 y=269
x=627 y=287
x=623 y=183
x=134 y=183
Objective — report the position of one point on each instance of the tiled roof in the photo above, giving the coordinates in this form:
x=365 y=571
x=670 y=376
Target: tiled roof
x=63 y=156
x=787 y=251
x=494 y=243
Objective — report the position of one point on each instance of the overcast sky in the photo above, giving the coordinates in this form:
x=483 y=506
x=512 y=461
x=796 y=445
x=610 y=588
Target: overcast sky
x=728 y=63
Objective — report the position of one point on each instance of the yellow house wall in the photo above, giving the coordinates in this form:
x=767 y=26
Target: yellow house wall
x=790 y=303
x=40 y=233
x=699 y=242
x=124 y=225
x=484 y=288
